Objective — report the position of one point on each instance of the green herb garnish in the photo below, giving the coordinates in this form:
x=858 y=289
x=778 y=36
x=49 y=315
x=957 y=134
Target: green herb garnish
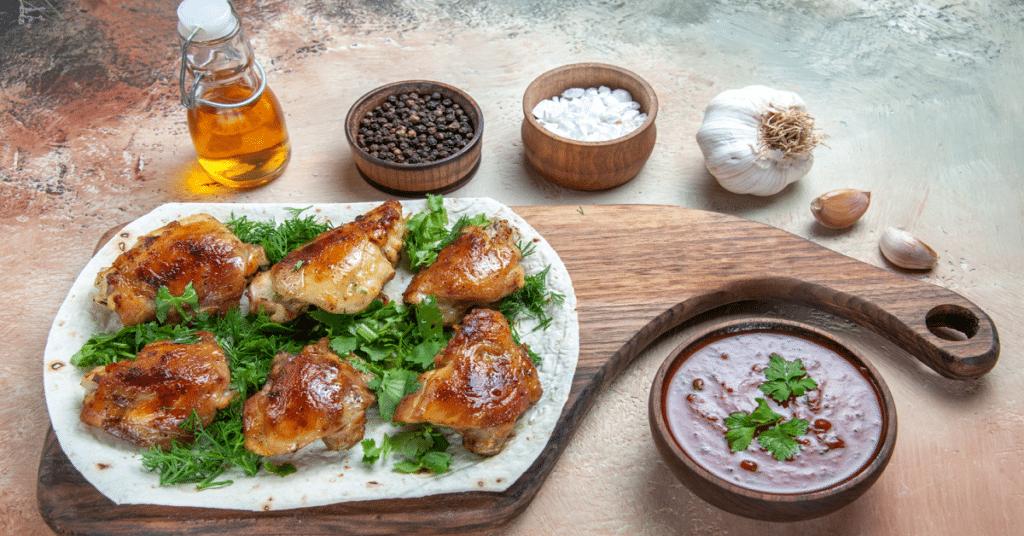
x=779 y=440
x=526 y=249
x=217 y=447
x=424 y=231
x=531 y=301
x=281 y=239
x=105 y=348
x=773 y=435
x=786 y=379
x=164 y=301
x=428 y=232
x=743 y=426
x=280 y=469
x=424 y=448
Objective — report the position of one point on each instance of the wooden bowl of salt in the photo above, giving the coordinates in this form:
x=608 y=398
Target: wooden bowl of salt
x=586 y=164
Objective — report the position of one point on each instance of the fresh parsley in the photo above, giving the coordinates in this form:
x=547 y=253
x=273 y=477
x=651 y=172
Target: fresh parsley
x=772 y=434
x=425 y=449
x=165 y=301
x=786 y=379
x=743 y=426
x=781 y=441
x=102 y=349
x=428 y=233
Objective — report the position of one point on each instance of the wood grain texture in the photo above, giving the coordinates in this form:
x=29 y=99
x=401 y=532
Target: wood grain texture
x=638 y=271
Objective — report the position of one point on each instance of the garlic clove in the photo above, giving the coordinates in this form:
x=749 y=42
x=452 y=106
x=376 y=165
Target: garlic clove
x=841 y=208
x=906 y=251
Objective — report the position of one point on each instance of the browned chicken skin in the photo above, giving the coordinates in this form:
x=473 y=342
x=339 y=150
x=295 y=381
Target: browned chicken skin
x=479 y=267
x=196 y=249
x=144 y=401
x=481 y=384
x=340 y=271
x=310 y=396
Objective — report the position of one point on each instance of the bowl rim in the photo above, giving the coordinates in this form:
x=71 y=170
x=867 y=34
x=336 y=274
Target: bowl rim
x=652 y=113
x=866 y=474
x=478 y=130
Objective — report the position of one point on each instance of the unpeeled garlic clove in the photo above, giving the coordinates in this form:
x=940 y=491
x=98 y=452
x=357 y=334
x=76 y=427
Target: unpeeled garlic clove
x=841 y=208
x=906 y=251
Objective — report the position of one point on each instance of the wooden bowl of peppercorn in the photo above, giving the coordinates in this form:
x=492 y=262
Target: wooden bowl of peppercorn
x=415 y=137
x=588 y=165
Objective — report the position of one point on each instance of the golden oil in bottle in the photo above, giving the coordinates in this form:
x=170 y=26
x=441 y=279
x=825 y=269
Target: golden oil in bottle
x=240 y=147
x=235 y=120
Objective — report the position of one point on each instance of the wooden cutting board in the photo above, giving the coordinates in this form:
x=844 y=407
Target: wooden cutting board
x=638 y=271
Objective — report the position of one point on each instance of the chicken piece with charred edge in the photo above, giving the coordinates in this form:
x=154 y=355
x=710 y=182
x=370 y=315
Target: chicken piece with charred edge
x=313 y=395
x=340 y=271
x=481 y=384
x=196 y=249
x=146 y=400
x=478 y=268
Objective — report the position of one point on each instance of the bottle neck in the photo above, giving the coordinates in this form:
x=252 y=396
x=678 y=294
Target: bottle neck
x=224 y=70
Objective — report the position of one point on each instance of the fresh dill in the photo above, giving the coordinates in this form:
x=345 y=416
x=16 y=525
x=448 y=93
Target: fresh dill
x=280 y=239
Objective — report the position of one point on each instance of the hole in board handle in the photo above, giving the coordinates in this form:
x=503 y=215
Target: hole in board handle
x=952 y=322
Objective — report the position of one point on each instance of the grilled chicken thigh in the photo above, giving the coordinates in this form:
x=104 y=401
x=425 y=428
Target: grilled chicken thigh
x=481 y=384
x=340 y=271
x=310 y=396
x=144 y=401
x=479 y=267
x=196 y=249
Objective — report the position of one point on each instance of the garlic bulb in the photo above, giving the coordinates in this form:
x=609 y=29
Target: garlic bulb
x=757 y=140
x=906 y=251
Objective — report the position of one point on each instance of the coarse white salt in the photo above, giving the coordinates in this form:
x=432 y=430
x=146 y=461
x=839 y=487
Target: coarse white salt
x=592 y=114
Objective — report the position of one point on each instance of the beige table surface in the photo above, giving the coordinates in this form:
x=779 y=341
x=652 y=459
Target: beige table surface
x=921 y=101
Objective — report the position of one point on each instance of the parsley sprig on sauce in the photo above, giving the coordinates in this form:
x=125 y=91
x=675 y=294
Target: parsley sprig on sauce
x=786 y=379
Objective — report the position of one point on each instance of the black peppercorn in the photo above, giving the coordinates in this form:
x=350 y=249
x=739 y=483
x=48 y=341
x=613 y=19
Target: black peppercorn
x=411 y=128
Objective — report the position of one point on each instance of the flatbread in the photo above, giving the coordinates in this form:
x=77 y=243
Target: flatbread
x=115 y=468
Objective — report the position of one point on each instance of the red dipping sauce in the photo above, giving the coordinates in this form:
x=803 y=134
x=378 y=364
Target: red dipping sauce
x=721 y=377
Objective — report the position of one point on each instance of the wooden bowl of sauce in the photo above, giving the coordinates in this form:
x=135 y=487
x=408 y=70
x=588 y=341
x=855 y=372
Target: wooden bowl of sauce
x=849 y=414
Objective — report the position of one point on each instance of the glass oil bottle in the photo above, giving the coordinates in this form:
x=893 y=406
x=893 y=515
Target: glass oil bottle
x=236 y=122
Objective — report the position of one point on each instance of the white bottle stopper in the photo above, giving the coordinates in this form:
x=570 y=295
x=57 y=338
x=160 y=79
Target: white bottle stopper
x=214 y=19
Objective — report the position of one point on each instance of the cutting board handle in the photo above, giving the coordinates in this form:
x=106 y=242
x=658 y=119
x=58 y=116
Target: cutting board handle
x=941 y=328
